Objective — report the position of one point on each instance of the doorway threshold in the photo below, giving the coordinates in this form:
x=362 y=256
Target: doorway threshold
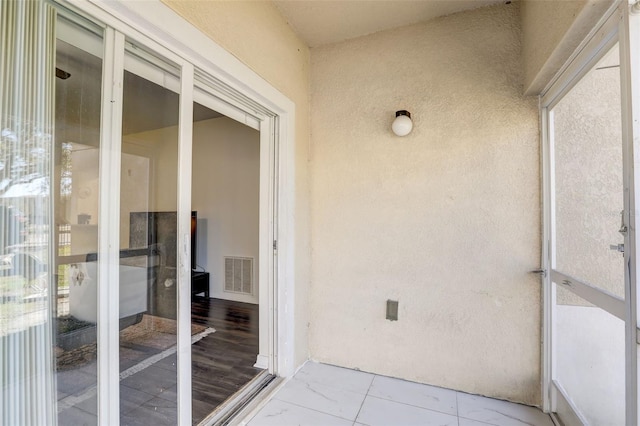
x=237 y=403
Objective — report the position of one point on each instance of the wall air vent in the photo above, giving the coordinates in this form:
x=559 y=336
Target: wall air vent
x=238 y=275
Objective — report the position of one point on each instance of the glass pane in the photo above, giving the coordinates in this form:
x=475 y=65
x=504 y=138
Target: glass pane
x=148 y=249
x=225 y=198
x=588 y=173
x=77 y=151
x=590 y=359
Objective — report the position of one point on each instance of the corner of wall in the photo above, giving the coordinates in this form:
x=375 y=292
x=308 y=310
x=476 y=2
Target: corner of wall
x=256 y=33
x=551 y=32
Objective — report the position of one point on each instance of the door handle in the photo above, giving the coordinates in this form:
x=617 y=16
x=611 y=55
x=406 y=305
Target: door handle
x=617 y=247
x=623 y=228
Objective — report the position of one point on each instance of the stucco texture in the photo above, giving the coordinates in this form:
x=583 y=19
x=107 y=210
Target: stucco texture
x=588 y=179
x=255 y=33
x=551 y=31
x=445 y=220
x=544 y=24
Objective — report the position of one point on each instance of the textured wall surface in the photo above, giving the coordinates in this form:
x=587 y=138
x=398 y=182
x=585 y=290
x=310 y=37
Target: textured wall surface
x=257 y=34
x=551 y=31
x=445 y=220
x=544 y=24
x=589 y=185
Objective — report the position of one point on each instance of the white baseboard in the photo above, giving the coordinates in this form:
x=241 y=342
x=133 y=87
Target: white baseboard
x=262 y=361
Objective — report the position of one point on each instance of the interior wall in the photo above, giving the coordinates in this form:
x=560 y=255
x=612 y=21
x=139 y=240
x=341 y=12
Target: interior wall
x=551 y=32
x=158 y=191
x=256 y=33
x=226 y=195
x=446 y=220
x=225 y=191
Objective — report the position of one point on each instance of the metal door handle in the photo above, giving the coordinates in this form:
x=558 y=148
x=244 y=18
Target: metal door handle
x=617 y=247
x=623 y=228
x=542 y=272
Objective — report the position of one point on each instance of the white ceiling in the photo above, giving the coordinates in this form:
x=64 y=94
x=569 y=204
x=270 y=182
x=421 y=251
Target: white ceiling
x=319 y=22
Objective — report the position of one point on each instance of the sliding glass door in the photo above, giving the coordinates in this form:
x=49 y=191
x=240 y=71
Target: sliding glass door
x=76 y=191
x=95 y=218
x=148 y=242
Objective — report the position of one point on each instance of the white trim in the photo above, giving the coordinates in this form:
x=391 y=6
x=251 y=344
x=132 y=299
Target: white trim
x=185 y=141
x=576 y=66
x=266 y=252
x=204 y=97
x=140 y=67
x=630 y=85
x=284 y=226
x=160 y=26
x=546 y=264
x=262 y=361
x=551 y=259
x=109 y=230
x=573 y=416
x=594 y=295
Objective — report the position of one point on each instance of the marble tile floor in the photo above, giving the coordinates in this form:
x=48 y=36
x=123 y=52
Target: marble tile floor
x=325 y=395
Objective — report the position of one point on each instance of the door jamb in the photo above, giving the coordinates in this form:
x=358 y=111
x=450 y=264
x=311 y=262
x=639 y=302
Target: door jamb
x=613 y=27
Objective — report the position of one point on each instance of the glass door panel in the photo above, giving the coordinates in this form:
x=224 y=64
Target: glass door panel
x=590 y=359
x=78 y=87
x=588 y=256
x=148 y=247
x=588 y=176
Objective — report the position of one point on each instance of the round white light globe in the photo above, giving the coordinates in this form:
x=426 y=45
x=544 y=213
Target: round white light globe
x=402 y=125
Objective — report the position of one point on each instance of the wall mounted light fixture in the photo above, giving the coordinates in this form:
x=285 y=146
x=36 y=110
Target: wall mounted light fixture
x=402 y=125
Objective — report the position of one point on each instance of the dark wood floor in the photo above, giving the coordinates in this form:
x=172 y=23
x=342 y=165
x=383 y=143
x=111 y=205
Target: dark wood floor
x=222 y=362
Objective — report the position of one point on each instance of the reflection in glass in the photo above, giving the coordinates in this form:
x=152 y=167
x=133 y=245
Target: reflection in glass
x=148 y=252
x=76 y=191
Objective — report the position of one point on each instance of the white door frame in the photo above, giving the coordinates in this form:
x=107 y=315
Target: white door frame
x=618 y=25
x=155 y=26
x=629 y=68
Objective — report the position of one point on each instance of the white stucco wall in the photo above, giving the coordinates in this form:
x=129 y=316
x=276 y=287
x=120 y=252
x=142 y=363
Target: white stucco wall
x=588 y=179
x=226 y=193
x=256 y=33
x=445 y=220
x=551 y=32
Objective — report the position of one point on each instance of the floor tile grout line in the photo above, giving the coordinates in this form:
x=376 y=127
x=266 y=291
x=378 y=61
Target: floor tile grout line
x=307 y=408
x=414 y=406
x=326 y=385
x=365 y=398
x=478 y=421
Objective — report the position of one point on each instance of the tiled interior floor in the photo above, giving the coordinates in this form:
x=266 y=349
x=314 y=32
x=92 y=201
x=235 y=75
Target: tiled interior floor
x=325 y=395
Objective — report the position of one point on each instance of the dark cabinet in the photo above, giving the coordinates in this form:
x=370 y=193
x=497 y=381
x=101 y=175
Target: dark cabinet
x=199 y=283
